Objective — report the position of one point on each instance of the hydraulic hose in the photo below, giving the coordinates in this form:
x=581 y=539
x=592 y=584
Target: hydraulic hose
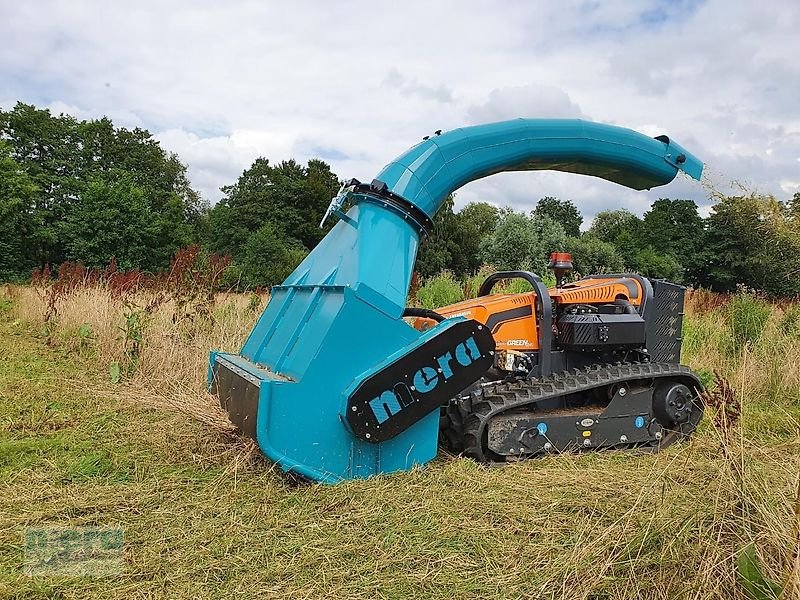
x=424 y=313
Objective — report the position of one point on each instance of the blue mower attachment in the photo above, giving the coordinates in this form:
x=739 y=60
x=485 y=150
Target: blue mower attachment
x=332 y=382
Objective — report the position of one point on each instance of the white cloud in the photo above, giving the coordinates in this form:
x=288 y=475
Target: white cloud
x=357 y=82
x=790 y=186
x=512 y=102
x=411 y=87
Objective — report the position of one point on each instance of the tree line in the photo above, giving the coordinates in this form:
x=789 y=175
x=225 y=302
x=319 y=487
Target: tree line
x=748 y=240
x=86 y=191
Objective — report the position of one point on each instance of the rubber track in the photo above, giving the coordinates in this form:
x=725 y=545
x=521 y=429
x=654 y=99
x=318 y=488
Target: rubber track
x=494 y=399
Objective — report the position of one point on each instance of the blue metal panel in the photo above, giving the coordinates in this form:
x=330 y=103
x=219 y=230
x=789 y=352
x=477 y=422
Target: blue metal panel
x=446 y=162
x=299 y=423
x=337 y=318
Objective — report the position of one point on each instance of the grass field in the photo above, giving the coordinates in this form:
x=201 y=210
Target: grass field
x=104 y=421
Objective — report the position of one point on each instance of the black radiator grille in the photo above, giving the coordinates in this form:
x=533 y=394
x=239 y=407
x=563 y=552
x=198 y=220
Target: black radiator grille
x=664 y=321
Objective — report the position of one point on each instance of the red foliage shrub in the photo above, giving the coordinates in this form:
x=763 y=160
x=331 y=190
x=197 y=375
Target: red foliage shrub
x=702 y=301
x=190 y=270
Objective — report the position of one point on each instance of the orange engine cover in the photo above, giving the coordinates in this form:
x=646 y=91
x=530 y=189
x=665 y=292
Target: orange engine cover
x=599 y=290
x=511 y=318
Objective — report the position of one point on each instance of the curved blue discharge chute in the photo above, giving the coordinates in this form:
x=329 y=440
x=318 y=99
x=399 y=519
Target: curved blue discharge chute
x=337 y=319
x=427 y=173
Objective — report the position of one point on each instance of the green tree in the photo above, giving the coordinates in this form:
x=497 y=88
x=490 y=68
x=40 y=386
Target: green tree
x=563 y=212
x=112 y=219
x=652 y=263
x=520 y=241
x=476 y=221
x=268 y=258
x=62 y=155
x=794 y=207
x=674 y=227
x=290 y=197
x=455 y=242
x=441 y=250
x=651 y=245
x=225 y=232
x=17 y=197
x=45 y=147
x=608 y=225
x=751 y=241
x=628 y=246
x=591 y=255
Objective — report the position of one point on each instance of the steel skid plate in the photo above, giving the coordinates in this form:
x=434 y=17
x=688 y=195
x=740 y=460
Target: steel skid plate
x=238 y=393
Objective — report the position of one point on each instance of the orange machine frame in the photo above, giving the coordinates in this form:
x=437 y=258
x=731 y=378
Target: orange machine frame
x=511 y=317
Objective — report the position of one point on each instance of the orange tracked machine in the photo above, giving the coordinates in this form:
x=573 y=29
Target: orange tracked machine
x=589 y=364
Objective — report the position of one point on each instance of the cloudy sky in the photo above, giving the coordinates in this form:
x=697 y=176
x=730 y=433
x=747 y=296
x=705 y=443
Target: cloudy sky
x=355 y=83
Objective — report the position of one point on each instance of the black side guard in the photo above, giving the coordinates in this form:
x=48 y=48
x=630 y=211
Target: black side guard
x=392 y=400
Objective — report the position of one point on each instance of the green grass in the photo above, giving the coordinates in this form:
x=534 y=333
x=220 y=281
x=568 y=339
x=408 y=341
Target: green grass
x=206 y=518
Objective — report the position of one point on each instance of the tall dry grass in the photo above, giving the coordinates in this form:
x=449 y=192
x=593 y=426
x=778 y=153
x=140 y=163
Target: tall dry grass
x=753 y=345
x=170 y=368
x=726 y=507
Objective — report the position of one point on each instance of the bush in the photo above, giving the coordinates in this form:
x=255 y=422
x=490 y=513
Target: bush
x=650 y=263
x=440 y=290
x=473 y=282
x=268 y=258
x=519 y=240
x=591 y=255
x=748 y=315
x=513 y=286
